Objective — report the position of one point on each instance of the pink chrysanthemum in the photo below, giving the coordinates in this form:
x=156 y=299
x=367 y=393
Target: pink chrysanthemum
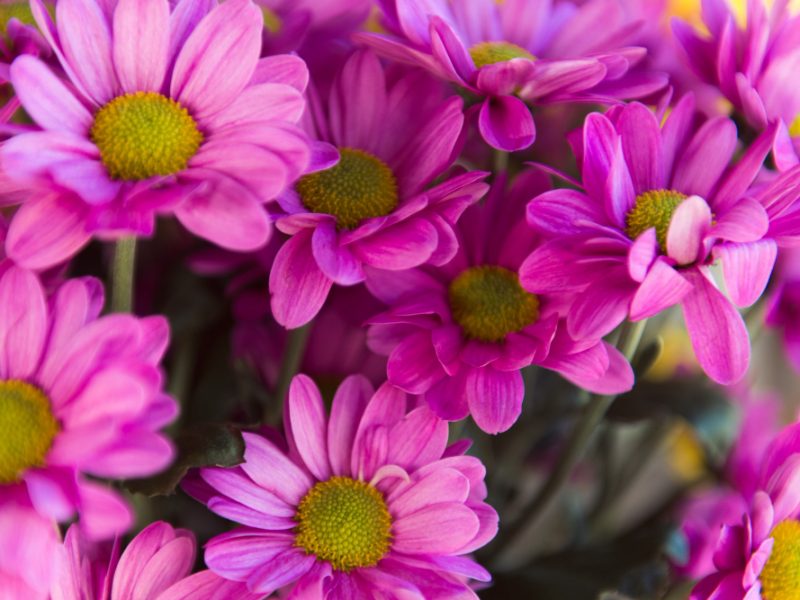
x=517 y=51
x=367 y=201
x=659 y=206
x=756 y=559
x=164 y=111
x=154 y=566
x=78 y=395
x=460 y=334
x=367 y=501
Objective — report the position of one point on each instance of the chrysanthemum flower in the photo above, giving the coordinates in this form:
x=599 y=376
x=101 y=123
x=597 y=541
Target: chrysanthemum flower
x=512 y=52
x=163 y=111
x=373 y=207
x=366 y=501
x=757 y=558
x=461 y=333
x=659 y=206
x=78 y=395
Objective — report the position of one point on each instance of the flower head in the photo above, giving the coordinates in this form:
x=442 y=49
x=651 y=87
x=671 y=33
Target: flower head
x=513 y=52
x=185 y=119
x=459 y=334
x=364 y=501
x=78 y=395
x=382 y=138
x=659 y=206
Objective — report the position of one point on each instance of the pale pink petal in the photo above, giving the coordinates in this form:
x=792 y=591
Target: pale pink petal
x=103 y=513
x=141 y=43
x=441 y=485
x=642 y=254
x=23 y=323
x=349 y=403
x=308 y=426
x=442 y=528
x=273 y=470
x=284 y=569
x=689 y=225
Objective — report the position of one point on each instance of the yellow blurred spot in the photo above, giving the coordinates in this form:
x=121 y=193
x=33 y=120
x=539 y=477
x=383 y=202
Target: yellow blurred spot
x=677 y=354
x=685 y=453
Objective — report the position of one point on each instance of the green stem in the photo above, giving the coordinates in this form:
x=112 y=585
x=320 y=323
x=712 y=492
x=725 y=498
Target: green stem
x=578 y=443
x=122 y=272
x=292 y=357
x=500 y=162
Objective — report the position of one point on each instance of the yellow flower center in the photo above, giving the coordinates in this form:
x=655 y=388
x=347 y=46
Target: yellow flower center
x=489 y=303
x=780 y=578
x=144 y=135
x=653 y=209
x=794 y=128
x=489 y=53
x=272 y=22
x=358 y=187
x=344 y=522
x=27 y=429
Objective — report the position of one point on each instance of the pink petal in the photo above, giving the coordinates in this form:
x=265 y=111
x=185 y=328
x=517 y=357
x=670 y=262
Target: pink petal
x=495 y=398
x=334 y=259
x=46 y=99
x=413 y=365
x=85 y=36
x=308 y=426
x=642 y=254
x=689 y=225
x=442 y=528
x=219 y=58
x=662 y=287
x=717 y=331
x=285 y=69
x=297 y=285
x=207 y=584
x=263 y=102
x=141 y=43
x=103 y=513
x=237 y=555
x=746 y=269
x=349 y=403
x=441 y=485
x=273 y=470
x=418 y=439
x=746 y=221
x=23 y=323
x=284 y=569
x=402 y=246
x=506 y=123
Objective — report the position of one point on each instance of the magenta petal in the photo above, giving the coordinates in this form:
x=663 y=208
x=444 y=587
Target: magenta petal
x=297 y=285
x=334 y=259
x=270 y=468
x=402 y=246
x=689 y=225
x=226 y=215
x=418 y=439
x=413 y=365
x=706 y=157
x=46 y=99
x=282 y=570
x=717 y=331
x=442 y=528
x=746 y=221
x=642 y=254
x=284 y=68
x=23 y=323
x=495 y=398
x=207 y=584
x=349 y=403
x=441 y=485
x=219 y=58
x=308 y=426
x=600 y=308
x=663 y=287
x=506 y=123
x=85 y=37
x=448 y=399
x=141 y=43
x=641 y=143
x=746 y=269
x=263 y=102
x=103 y=513
x=237 y=555
x=563 y=211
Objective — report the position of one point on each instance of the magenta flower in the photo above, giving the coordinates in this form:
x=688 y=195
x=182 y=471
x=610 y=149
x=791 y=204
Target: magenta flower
x=755 y=559
x=185 y=119
x=154 y=566
x=372 y=208
x=460 y=334
x=512 y=52
x=79 y=395
x=366 y=502
x=783 y=309
x=658 y=207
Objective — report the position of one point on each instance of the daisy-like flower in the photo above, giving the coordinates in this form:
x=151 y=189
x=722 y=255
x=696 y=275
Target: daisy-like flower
x=659 y=206
x=366 y=503
x=756 y=558
x=392 y=135
x=460 y=334
x=512 y=52
x=164 y=111
x=154 y=566
x=78 y=395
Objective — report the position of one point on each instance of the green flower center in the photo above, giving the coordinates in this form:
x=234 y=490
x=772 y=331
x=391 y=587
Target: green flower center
x=780 y=578
x=489 y=53
x=653 y=209
x=144 y=135
x=358 y=187
x=489 y=303
x=344 y=522
x=27 y=429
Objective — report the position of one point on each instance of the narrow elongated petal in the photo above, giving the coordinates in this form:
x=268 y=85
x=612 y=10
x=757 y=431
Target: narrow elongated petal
x=308 y=425
x=141 y=43
x=746 y=268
